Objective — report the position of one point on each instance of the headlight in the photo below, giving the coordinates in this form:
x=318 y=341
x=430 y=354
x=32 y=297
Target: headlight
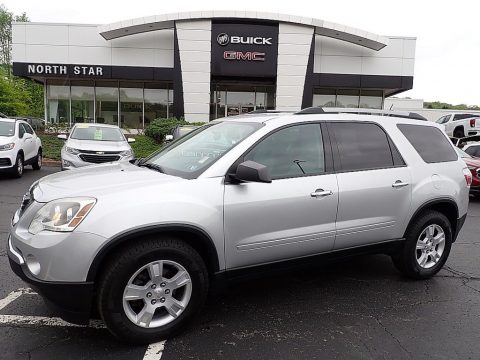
x=7 y=147
x=72 y=150
x=61 y=215
x=126 y=153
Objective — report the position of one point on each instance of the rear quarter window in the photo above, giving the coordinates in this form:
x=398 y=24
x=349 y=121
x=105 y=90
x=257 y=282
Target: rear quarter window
x=429 y=142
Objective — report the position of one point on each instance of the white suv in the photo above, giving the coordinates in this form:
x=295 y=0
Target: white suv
x=460 y=125
x=19 y=146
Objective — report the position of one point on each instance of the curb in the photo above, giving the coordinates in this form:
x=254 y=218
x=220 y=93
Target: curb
x=53 y=163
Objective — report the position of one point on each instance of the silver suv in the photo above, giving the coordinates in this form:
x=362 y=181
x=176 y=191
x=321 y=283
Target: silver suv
x=141 y=241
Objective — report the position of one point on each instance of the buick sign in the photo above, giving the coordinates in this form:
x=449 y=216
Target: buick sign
x=223 y=39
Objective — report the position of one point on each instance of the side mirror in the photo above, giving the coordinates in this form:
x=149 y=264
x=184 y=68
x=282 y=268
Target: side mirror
x=130 y=140
x=253 y=171
x=168 y=137
x=62 y=137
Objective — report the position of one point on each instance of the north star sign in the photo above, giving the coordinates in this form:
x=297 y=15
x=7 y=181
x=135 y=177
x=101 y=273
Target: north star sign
x=44 y=69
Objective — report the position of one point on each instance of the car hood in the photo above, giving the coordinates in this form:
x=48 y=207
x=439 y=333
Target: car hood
x=93 y=145
x=6 y=140
x=99 y=180
x=472 y=161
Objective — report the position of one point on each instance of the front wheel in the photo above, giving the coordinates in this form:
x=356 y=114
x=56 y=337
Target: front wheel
x=427 y=245
x=151 y=290
x=37 y=164
x=17 y=170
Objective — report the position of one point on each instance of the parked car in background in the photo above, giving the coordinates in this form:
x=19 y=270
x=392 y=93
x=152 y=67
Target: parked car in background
x=473 y=164
x=460 y=125
x=141 y=241
x=180 y=131
x=89 y=144
x=19 y=146
x=472 y=149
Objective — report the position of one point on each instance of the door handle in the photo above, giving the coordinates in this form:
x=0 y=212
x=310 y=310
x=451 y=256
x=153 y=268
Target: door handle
x=321 y=193
x=399 y=184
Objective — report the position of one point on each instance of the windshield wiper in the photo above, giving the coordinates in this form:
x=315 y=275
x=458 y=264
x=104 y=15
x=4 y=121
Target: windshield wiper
x=152 y=166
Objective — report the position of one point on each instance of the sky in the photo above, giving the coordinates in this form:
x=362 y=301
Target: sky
x=447 y=64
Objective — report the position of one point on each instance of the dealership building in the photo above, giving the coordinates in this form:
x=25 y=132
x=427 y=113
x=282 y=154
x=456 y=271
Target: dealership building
x=207 y=65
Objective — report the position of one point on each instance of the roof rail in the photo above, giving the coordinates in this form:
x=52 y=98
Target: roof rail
x=331 y=110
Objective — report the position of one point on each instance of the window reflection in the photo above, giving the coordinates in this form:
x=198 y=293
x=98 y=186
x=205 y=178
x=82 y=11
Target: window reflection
x=58 y=97
x=83 y=104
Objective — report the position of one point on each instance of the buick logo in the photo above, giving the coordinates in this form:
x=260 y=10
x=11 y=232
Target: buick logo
x=223 y=39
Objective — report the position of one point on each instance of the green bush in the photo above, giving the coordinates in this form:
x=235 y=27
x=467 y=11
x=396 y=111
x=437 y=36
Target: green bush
x=144 y=146
x=51 y=146
x=158 y=128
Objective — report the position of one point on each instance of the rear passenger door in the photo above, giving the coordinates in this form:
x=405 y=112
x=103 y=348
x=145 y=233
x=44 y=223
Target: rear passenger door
x=373 y=182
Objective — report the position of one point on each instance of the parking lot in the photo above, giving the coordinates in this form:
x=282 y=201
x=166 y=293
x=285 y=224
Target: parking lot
x=357 y=309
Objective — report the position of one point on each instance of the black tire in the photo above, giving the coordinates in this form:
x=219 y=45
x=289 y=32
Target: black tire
x=18 y=168
x=124 y=264
x=406 y=259
x=37 y=162
x=459 y=132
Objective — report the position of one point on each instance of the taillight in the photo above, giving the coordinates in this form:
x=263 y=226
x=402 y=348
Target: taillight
x=472 y=122
x=468 y=176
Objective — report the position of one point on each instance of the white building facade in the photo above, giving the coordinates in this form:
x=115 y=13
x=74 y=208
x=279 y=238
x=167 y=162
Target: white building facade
x=207 y=65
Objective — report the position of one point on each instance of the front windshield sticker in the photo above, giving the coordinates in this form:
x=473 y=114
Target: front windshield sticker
x=98 y=135
x=82 y=126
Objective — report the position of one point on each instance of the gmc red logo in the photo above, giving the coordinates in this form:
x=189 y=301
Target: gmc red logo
x=246 y=56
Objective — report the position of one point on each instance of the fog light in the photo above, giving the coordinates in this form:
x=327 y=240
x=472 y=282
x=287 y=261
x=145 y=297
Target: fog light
x=33 y=264
x=66 y=163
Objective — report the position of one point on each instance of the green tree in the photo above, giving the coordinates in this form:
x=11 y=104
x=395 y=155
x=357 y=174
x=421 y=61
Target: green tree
x=6 y=19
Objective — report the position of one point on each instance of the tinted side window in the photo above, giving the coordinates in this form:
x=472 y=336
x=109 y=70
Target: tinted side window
x=21 y=131
x=429 y=142
x=291 y=152
x=462 y=116
x=362 y=146
x=28 y=129
x=473 y=151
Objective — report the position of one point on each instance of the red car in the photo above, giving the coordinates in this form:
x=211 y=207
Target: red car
x=473 y=165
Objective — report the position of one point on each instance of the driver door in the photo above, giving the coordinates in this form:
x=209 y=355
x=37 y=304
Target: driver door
x=292 y=216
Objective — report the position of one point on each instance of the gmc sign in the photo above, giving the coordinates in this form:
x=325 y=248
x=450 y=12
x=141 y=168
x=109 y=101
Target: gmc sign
x=244 y=55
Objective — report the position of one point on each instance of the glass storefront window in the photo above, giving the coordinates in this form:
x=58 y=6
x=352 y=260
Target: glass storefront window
x=348 y=98
x=231 y=100
x=106 y=106
x=324 y=98
x=131 y=106
x=82 y=103
x=371 y=99
x=58 y=109
x=158 y=102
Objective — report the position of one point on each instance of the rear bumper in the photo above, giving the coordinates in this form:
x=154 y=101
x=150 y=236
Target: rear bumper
x=70 y=301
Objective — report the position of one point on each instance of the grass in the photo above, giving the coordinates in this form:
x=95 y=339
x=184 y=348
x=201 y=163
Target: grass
x=51 y=146
x=142 y=147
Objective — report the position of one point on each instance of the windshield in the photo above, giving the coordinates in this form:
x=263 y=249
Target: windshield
x=193 y=153
x=7 y=128
x=462 y=153
x=96 y=133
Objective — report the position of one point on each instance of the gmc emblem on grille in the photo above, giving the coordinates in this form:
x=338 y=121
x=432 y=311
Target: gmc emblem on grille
x=246 y=56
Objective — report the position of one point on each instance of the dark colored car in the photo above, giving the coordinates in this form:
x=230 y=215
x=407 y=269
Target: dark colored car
x=36 y=123
x=473 y=165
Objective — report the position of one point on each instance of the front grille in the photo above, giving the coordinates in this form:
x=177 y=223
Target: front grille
x=103 y=152
x=5 y=162
x=99 y=159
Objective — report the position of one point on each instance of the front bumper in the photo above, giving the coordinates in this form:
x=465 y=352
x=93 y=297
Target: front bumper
x=70 y=161
x=71 y=301
x=8 y=159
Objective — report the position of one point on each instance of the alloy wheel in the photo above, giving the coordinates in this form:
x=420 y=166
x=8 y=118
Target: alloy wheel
x=430 y=246
x=157 y=294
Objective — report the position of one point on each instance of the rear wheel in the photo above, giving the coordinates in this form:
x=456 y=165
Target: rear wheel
x=427 y=246
x=17 y=170
x=151 y=290
x=37 y=163
x=459 y=132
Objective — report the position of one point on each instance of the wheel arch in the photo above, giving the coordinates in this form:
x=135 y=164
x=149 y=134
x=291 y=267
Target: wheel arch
x=192 y=235
x=446 y=206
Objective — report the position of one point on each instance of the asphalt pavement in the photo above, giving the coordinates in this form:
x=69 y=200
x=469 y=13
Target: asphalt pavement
x=357 y=309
